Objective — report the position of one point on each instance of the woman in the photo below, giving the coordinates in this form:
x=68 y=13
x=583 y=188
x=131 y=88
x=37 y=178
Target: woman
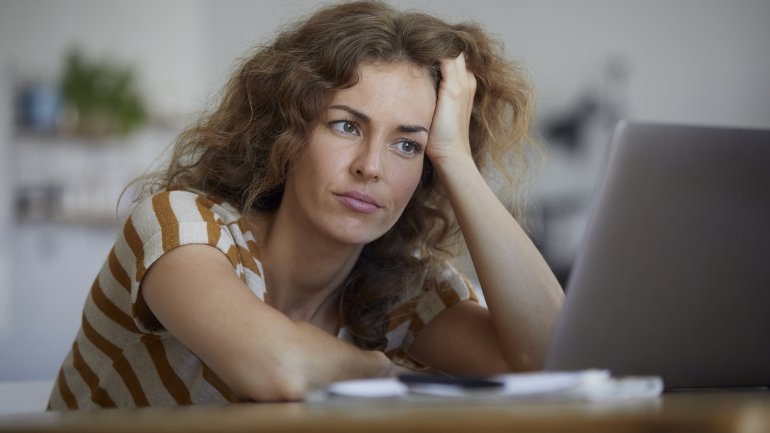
x=300 y=233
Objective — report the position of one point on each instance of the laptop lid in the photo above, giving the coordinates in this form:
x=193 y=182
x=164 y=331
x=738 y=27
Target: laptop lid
x=673 y=275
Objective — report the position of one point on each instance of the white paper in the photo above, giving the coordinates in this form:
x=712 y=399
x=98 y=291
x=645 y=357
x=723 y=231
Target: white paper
x=589 y=385
x=518 y=384
x=389 y=387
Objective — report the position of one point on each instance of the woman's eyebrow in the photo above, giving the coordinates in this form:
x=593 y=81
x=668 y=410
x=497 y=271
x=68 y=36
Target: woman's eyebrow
x=363 y=118
x=410 y=129
x=357 y=114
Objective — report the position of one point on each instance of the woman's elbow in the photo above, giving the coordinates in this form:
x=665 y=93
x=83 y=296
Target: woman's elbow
x=279 y=383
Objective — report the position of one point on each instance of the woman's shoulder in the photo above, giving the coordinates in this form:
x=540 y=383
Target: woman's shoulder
x=170 y=206
x=168 y=219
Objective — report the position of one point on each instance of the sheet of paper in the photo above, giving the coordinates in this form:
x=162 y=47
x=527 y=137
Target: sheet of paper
x=518 y=384
x=589 y=385
x=388 y=387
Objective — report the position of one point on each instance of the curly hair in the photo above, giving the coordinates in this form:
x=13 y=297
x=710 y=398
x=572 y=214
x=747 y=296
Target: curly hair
x=243 y=149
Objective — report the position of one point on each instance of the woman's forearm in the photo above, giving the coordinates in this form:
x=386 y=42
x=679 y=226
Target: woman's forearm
x=523 y=296
x=256 y=350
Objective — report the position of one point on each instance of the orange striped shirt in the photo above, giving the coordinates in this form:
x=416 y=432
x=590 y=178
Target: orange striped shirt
x=117 y=360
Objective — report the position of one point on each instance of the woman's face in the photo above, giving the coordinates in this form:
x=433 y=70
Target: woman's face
x=364 y=159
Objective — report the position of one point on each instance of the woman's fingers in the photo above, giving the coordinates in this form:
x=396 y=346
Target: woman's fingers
x=455 y=75
x=450 y=128
x=463 y=74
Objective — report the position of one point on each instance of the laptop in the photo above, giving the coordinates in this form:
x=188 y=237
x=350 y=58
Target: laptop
x=673 y=275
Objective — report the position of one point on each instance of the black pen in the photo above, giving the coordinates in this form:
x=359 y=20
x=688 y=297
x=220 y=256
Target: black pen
x=468 y=382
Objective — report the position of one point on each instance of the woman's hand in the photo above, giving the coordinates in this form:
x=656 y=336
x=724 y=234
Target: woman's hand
x=449 y=132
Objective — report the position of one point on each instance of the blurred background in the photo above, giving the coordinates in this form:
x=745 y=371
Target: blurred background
x=92 y=92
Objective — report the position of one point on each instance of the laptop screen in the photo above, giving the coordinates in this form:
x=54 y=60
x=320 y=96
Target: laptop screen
x=673 y=276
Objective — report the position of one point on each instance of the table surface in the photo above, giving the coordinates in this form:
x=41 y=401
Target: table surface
x=695 y=411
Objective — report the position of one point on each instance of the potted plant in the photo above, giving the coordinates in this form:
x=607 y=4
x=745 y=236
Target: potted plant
x=100 y=98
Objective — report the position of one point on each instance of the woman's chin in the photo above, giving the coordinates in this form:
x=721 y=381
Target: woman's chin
x=354 y=234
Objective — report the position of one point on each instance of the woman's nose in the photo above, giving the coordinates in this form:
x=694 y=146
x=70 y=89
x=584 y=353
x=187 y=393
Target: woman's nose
x=367 y=163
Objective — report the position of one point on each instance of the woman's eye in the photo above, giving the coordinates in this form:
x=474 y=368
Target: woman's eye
x=345 y=127
x=409 y=147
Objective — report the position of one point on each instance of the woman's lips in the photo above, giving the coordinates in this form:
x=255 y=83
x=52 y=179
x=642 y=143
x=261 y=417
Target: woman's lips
x=358 y=202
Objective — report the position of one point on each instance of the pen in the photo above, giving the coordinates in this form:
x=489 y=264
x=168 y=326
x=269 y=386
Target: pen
x=470 y=382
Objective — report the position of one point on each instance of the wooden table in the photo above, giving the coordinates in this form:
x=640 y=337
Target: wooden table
x=702 y=411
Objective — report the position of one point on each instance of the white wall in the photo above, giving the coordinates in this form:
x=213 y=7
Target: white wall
x=701 y=61
x=161 y=39
x=694 y=61
x=6 y=111
x=46 y=270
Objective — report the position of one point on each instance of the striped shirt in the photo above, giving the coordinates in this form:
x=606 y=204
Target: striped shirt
x=118 y=360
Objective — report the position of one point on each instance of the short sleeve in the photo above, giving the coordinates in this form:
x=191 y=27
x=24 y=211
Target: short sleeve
x=449 y=288
x=168 y=220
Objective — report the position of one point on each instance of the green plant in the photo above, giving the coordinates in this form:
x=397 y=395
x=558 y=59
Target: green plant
x=102 y=95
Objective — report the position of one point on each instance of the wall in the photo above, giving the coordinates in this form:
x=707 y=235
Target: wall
x=5 y=207
x=46 y=270
x=161 y=40
x=701 y=61
x=693 y=61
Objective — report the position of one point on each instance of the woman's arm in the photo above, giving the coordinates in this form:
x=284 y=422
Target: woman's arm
x=522 y=293
x=257 y=351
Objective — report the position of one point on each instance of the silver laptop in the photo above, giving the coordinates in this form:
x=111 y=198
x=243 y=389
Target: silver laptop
x=673 y=276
